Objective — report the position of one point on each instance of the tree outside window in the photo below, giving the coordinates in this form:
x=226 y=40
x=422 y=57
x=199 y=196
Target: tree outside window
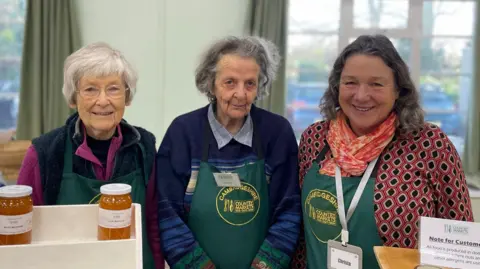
x=12 y=18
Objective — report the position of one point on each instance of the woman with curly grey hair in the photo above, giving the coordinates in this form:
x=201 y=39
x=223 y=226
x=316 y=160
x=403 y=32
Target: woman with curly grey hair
x=228 y=172
x=96 y=146
x=373 y=167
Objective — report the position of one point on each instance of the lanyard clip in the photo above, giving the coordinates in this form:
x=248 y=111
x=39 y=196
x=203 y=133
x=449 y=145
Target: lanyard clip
x=344 y=237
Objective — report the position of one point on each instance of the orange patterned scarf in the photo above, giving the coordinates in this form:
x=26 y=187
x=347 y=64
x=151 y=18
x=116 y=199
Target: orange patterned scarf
x=351 y=153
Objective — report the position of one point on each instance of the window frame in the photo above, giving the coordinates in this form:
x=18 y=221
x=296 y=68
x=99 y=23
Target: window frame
x=413 y=32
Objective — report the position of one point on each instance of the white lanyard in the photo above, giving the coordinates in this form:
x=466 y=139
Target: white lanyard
x=355 y=200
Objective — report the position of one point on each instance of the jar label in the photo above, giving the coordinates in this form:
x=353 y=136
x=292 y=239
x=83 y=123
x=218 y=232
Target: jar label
x=114 y=218
x=18 y=224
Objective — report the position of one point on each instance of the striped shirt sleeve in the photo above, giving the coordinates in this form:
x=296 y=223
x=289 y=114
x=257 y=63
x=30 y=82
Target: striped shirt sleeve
x=178 y=243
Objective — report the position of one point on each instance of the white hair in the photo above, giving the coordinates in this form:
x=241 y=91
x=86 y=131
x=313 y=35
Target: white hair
x=98 y=60
x=264 y=52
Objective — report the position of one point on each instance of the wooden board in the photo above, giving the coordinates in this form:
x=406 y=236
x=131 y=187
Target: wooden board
x=397 y=258
x=12 y=153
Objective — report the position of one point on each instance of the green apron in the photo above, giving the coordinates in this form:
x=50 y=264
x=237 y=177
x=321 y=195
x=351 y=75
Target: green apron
x=230 y=223
x=76 y=189
x=322 y=222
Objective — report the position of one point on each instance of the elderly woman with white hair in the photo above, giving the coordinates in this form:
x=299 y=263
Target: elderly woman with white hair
x=96 y=146
x=228 y=190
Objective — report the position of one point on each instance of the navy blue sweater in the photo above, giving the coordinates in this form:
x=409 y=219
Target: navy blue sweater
x=178 y=161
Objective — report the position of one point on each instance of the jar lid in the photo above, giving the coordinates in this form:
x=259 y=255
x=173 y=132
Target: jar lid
x=15 y=191
x=115 y=189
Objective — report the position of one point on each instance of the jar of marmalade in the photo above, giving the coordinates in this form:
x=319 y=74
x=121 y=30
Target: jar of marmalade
x=115 y=212
x=16 y=211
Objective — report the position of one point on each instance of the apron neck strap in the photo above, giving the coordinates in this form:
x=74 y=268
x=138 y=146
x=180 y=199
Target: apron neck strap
x=322 y=153
x=207 y=134
x=257 y=143
x=146 y=173
x=68 y=153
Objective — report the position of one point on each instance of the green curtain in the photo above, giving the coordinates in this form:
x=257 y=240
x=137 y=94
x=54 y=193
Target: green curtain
x=471 y=158
x=269 y=19
x=51 y=34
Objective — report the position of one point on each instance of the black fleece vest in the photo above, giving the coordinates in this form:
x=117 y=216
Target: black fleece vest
x=50 y=149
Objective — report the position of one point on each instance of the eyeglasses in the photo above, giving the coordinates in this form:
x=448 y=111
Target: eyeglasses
x=113 y=91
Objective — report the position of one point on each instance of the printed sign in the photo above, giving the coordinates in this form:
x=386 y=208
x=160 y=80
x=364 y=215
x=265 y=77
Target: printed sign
x=449 y=243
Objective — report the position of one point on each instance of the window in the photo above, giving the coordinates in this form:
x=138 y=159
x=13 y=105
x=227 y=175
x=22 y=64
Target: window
x=434 y=37
x=12 y=17
x=312 y=48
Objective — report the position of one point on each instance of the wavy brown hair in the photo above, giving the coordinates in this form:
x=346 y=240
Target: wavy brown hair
x=407 y=106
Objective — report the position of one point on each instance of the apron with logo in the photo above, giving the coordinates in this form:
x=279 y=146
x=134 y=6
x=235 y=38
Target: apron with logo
x=230 y=223
x=76 y=189
x=322 y=221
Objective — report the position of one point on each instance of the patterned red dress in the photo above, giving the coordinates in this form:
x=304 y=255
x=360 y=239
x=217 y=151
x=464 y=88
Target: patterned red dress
x=418 y=175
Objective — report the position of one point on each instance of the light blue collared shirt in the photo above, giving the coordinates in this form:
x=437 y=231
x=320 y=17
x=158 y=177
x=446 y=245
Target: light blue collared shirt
x=223 y=136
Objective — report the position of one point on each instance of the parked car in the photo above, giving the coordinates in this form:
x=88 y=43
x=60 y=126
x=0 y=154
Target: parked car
x=8 y=111
x=303 y=100
x=440 y=109
x=9 y=100
x=302 y=104
x=9 y=85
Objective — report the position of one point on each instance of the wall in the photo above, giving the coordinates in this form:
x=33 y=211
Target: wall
x=476 y=208
x=475 y=198
x=164 y=40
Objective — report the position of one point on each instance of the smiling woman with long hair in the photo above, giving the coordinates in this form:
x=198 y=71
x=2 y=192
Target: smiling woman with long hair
x=374 y=166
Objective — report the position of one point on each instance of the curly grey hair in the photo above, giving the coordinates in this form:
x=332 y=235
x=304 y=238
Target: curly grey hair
x=263 y=51
x=407 y=106
x=97 y=59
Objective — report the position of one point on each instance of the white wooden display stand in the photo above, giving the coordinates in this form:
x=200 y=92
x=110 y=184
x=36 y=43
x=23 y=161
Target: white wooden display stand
x=65 y=237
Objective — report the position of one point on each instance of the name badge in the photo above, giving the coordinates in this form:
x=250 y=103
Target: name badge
x=227 y=179
x=343 y=257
